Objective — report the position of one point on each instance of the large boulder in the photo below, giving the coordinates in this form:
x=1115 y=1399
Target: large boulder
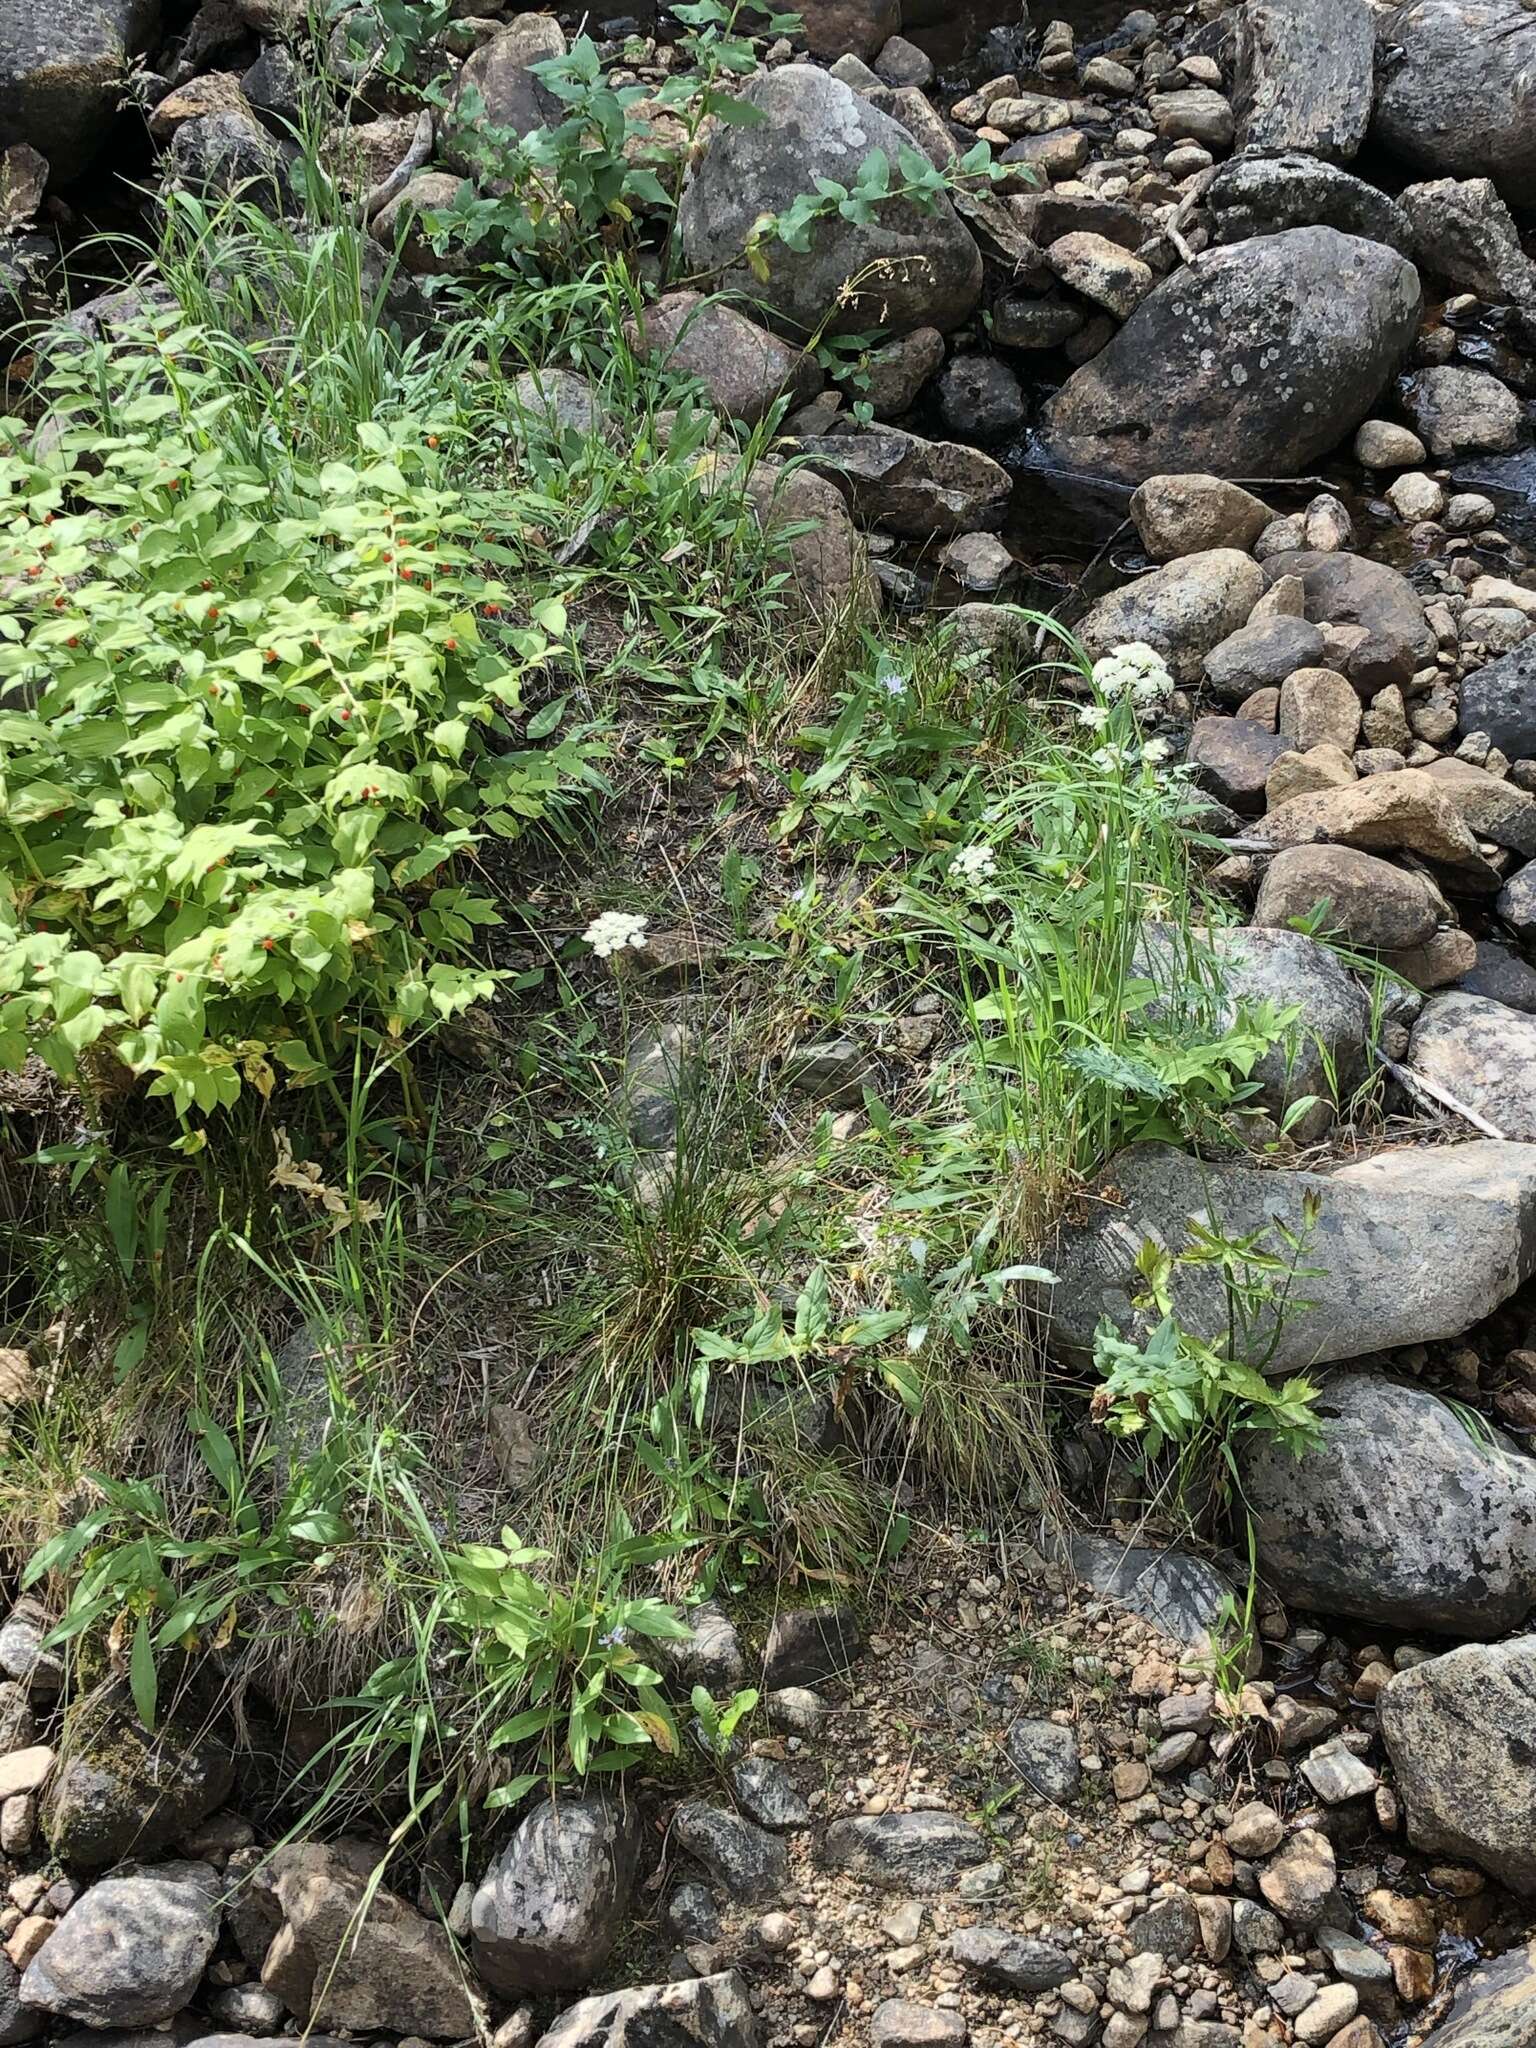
x=1482 y=1053
x=699 y=2012
x=1458 y=90
x=1458 y=1730
x=552 y=1905
x=903 y=269
x=62 y=68
x=1462 y=231
x=1303 y=76
x=1408 y=1247
x=132 y=1951
x=1402 y=1517
x=1264 y=195
x=121 y=1791
x=1405 y=812
x=744 y=368
x=1342 y=589
x=1229 y=970
x=1500 y=700
x=1250 y=361
x=921 y=490
x=1183 y=609
x=1462 y=411
x=1369 y=903
x=1494 y=2007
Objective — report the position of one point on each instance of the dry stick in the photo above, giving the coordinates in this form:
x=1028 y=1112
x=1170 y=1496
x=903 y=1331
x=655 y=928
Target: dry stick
x=415 y=156
x=1432 y=1093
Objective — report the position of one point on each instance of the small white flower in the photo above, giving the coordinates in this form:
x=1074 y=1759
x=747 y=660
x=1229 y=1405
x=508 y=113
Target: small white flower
x=1112 y=759
x=612 y=930
x=1134 y=670
x=1156 y=751
x=1094 y=716
x=894 y=685
x=973 y=864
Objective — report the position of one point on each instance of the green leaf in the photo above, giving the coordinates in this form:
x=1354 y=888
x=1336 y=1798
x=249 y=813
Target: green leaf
x=142 y=1681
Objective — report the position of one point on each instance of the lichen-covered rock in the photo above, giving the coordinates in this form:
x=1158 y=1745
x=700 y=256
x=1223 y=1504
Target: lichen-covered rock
x=550 y=1908
x=132 y=1951
x=700 y=2012
x=1458 y=90
x=120 y=1791
x=61 y=73
x=1304 y=76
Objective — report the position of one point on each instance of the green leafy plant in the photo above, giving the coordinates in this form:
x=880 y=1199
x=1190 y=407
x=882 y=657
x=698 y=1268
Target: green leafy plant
x=718 y=1724
x=913 y=180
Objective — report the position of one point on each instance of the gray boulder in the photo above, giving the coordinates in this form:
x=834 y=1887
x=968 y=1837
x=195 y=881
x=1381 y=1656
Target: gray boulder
x=918 y=1852
x=1184 y=609
x=1484 y=1054
x=1458 y=1730
x=61 y=73
x=743 y=1860
x=121 y=1791
x=1371 y=904
x=744 y=368
x=1494 y=2007
x=1458 y=91
x=1413 y=1245
x=1303 y=76
x=1461 y=411
x=1402 y=1517
x=700 y=2012
x=1500 y=700
x=904 y=269
x=20 y=2022
x=132 y=1951
x=1342 y=589
x=1462 y=231
x=1179 y=1593
x=1265 y=195
x=550 y=1908
x=921 y=490
x=1250 y=361
x=1260 y=656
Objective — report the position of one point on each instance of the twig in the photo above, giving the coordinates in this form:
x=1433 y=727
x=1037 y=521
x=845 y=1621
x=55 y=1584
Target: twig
x=1441 y=1098
x=415 y=156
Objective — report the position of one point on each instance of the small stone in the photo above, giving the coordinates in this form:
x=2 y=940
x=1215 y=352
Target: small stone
x=1334 y=2007
x=1381 y=444
x=902 y=2023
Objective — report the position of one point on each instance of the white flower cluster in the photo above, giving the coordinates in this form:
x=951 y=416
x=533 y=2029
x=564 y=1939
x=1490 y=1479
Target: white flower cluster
x=973 y=864
x=1136 y=671
x=612 y=930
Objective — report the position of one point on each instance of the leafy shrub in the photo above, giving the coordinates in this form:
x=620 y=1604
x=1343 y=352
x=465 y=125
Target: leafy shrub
x=247 y=736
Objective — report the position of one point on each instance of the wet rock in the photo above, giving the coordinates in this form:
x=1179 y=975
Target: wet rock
x=1475 y=1203
x=1301 y=1882
x=1268 y=194
x=1460 y=411
x=743 y=1861
x=1484 y=1054
x=905 y=268
x=918 y=1852
x=699 y=2012
x=1303 y=71
x=919 y=490
x=745 y=369
x=979 y=561
x=1493 y=2005
x=1457 y=1729
x=1499 y=699
x=1260 y=656
x=121 y=1791
x=1458 y=89
x=551 y=1906
x=1401 y=1517
x=498 y=90
x=1371 y=904
x=1233 y=758
x=1183 y=609
x=132 y=1951
x=1343 y=589
x=980 y=397
x=1189 y=515
x=340 y=1954
x=1012 y=1962
x=1250 y=361
x=61 y=70
x=1045 y=1755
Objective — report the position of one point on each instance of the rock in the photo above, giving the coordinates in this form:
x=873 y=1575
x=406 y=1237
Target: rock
x=699 y=2012
x=1371 y=905
x=1336 y=1774
x=913 y=268
x=225 y=153
x=1501 y=975
x=1325 y=2015
x=248 y=2009
x=978 y=561
x=23 y=1770
x=1169 y=1929
x=1318 y=707
x=1384 y=814
x=745 y=369
x=808 y=1645
x=131 y=1951
x=1255 y=1830
x=121 y=1791
x=1381 y=444
x=903 y=63
x=1493 y=2006
x=1301 y=1882
x=61 y=73
x=898 y=371
x=549 y=1909
x=1303 y=71
x=1101 y=271
x=340 y=1953
x=1324 y=1051
x=980 y=397
x=1045 y=1756
x=824 y=558
x=498 y=90
x=768 y=1795
x=1232 y=758
x=1457 y=1729
x=743 y=1861
x=850 y=28
x=903 y=2023
x=560 y=402
x=1255 y=1930
x=1266 y=195
x=1343 y=589
x=1494 y=808
x=1191 y=380
x=1261 y=655
x=1182 y=1595
x=1483 y=1054
x=711 y=1656
x=1463 y=232
x=1183 y=609
x=1516 y=901
x=215 y=92
x=1415 y=496
x=1321 y=767
x=1020 y=320
x=1192 y=112
x=1012 y=1962
x=402 y=224
x=1475 y=1202
x=919 y=490
x=1401 y=1517
x=1188 y=515
x=1460 y=411
x=919 y=1852
x=1459 y=92
x=1500 y=700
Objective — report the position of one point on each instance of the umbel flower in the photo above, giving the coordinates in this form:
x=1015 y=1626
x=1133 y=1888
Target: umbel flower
x=612 y=930
x=1136 y=671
